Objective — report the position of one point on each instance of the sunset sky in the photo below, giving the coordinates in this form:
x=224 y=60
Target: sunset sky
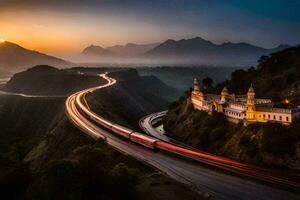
x=62 y=27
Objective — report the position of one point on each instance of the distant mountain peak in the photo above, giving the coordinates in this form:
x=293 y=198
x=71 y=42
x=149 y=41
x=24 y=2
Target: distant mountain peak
x=127 y=50
x=196 y=50
x=14 y=57
x=95 y=50
x=200 y=51
x=170 y=41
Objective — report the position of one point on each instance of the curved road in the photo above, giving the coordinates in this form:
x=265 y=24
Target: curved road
x=219 y=185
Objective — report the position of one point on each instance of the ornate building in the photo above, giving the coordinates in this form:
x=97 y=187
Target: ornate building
x=242 y=108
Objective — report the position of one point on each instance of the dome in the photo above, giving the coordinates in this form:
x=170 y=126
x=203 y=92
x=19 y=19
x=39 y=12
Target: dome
x=251 y=89
x=196 y=81
x=224 y=91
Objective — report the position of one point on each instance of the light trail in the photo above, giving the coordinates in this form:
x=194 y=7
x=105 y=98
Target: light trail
x=76 y=112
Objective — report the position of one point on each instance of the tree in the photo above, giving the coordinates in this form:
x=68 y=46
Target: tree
x=262 y=59
x=207 y=82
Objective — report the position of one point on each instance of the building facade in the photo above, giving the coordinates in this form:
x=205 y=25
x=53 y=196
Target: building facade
x=242 y=108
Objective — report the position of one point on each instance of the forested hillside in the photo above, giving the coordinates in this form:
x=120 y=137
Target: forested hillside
x=267 y=144
x=276 y=77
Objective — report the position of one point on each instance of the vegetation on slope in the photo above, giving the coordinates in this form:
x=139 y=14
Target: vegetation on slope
x=43 y=156
x=131 y=98
x=276 y=77
x=267 y=144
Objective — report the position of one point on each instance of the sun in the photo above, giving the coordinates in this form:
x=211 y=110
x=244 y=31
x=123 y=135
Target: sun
x=2 y=40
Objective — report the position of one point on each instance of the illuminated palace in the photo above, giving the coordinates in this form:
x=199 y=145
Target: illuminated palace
x=242 y=108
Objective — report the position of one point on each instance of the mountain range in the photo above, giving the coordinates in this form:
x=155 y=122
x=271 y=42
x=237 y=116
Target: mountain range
x=128 y=50
x=186 y=51
x=195 y=51
x=15 y=58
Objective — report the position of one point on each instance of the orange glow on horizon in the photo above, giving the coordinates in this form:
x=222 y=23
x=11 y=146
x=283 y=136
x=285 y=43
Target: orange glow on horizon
x=62 y=34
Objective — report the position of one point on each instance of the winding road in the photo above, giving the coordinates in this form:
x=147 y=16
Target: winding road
x=216 y=183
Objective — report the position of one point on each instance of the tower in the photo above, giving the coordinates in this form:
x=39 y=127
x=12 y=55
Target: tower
x=196 y=86
x=250 y=112
x=196 y=91
x=224 y=94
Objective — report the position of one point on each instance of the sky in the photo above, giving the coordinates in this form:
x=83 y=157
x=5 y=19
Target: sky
x=62 y=27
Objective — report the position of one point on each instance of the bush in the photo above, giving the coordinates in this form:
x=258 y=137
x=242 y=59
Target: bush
x=217 y=133
x=245 y=139
x=123 y=180
x=277 y=139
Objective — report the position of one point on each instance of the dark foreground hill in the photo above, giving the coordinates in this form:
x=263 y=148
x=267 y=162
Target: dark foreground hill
x=43 y=156
x=46 y=80
x=268 y=144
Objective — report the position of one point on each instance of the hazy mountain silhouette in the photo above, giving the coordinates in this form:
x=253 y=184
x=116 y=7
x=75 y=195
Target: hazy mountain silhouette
x=15 y=58
x=128 y=50
x=131 y=49
x=186 y=51
x=198 y=50
x=93 y=50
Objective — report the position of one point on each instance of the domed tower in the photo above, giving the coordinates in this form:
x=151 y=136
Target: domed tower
x=197 y=90
x=250 y=103
x=196 y=86
x=224 y=94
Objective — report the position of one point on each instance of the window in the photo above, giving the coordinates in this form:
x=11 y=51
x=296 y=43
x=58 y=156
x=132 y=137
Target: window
x=274 y=117
x=269 y=116
x=264 y=116
x=287 y=119
x=280 y=118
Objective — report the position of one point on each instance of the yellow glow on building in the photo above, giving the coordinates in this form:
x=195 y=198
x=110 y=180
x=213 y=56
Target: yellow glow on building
x=286 y=101
x=243 y=108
